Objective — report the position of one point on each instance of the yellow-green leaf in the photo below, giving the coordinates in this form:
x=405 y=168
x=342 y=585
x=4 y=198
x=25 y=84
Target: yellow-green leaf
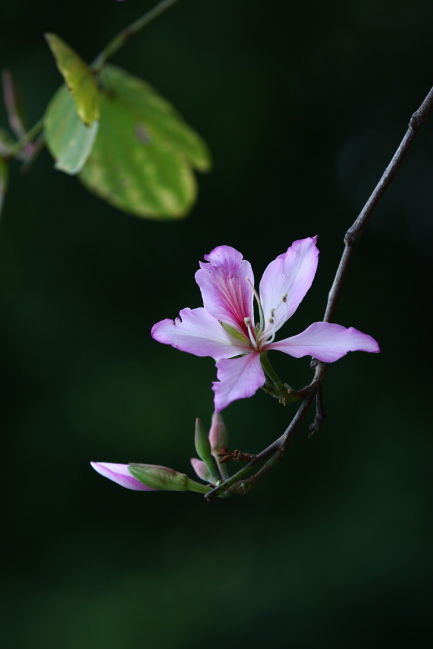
x=160 y=118
x=79 y=79
x=68 y=139
x=144 y=152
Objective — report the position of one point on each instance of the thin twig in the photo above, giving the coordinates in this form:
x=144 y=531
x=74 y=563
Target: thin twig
x=353 y=234
x=122 y=37
x=352 y=237
x=15 y=149
x=320 y=413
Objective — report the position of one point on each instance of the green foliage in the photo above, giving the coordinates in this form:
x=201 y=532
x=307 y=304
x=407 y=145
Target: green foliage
x=79 y=79
x=68 y=139
x=129 y=145
x=144 y=153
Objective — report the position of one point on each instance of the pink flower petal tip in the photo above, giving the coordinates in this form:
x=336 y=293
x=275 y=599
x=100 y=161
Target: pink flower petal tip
x=119 y=473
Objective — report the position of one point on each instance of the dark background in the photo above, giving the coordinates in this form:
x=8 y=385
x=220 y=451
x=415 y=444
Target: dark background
x=303 y=105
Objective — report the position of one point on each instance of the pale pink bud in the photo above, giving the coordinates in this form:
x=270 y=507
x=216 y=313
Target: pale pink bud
x=218 y=435
x=201 y=470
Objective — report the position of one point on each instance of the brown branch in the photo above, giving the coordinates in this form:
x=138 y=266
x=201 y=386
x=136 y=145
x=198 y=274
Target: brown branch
x=320 y=413
x=309 y=393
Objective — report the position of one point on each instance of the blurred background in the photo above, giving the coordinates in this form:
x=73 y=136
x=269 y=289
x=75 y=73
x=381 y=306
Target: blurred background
x=302 y=105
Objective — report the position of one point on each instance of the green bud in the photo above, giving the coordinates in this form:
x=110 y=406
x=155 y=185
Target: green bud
x=204 y=450
x=201 y=440
x=164 y=479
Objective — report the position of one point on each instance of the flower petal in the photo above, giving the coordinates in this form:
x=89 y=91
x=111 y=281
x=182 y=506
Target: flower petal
x=201 y=470
x=326 y=341
x=119 y=473
x=238 y=378
x=197 y=332
x=226 y=291
x=291 y=275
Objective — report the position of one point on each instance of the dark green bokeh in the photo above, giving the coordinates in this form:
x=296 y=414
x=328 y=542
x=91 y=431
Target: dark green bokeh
x=303 y=105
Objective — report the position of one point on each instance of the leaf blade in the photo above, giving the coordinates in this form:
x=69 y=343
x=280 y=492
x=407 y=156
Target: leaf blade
x=144 y=152
x=78 y=77
x=68 y=139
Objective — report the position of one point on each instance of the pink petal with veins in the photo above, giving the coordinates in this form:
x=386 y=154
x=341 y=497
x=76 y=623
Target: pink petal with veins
x=199 y=333
x=227 y=293
x=290 y=274
x=326 y=341
x=238 y=378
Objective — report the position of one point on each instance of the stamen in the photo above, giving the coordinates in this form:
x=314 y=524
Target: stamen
x=284 y=300
x=250 y=332
x=256 y=295
x=272 y=338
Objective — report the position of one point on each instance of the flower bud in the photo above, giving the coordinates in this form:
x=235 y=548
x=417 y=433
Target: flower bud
x=204 y=450
x=201 y=470
x=164 y=479
x=218 y=435
x=119 y=473
x=201 y=440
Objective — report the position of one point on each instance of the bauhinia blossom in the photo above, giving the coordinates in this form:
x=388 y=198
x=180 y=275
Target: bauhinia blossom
x=225 y=328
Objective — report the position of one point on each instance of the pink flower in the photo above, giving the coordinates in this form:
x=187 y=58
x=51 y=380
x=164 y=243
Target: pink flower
x=225 y=328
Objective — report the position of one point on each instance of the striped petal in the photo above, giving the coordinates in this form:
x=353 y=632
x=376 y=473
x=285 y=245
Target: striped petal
x=327 y=342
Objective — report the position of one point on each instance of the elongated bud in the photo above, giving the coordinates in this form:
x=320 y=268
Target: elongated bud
x=204 y=450
x=119 y=473
x=201 y=470
x=164 y=479
x=201 y=440
x=218 y=435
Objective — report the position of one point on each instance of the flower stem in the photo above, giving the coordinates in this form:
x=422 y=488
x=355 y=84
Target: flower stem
x=122 y=37
x=269 y=370
x=282 y=391
x=16 y=148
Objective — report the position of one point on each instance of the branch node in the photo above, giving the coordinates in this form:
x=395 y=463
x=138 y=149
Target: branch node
x=350 y=238
x=417 y=120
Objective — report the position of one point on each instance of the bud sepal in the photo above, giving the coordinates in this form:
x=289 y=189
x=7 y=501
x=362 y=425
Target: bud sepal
x=204 y=450
x=161 y=478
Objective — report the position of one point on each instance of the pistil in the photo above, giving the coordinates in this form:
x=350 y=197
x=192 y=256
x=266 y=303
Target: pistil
x=250 y=332
x=259 y=303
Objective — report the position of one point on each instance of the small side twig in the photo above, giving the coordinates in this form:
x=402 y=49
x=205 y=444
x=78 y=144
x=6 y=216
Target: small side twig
x=320 y=413
x=123 y=36
x=236 y=455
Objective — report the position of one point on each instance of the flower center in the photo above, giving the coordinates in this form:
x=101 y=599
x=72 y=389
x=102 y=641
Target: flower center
x=263 y=333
